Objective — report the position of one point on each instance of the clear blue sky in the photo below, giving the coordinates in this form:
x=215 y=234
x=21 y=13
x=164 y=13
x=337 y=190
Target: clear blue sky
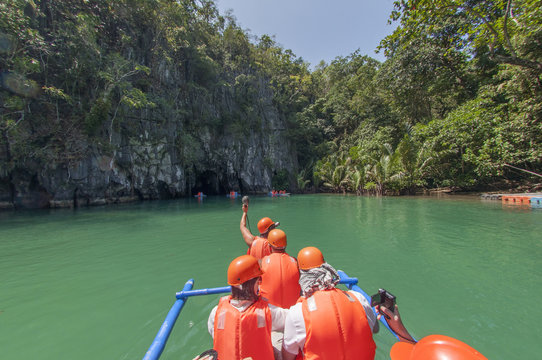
x=316 y=29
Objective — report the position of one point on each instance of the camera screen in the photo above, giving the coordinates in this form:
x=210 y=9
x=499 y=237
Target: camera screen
x=376 y=299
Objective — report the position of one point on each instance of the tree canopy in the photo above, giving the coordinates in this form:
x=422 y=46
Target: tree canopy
x=458 y=99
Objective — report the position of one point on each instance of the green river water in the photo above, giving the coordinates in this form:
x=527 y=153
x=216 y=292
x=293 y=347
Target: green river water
x=97 y=283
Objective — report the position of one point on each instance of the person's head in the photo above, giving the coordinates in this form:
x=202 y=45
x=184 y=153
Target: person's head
x=244 y=277
x=277 y=240
x=435 y=347
x=309 y=258
x=265 y=225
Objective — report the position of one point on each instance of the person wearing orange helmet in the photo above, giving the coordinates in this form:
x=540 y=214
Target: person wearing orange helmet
x=435 y=347
x=428 y=348
x=242 y=322
x=257 y=245
x=327 y=323
x=280 y=279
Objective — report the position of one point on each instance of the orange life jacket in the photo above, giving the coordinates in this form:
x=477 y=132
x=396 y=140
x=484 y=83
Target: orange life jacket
x=336 y=327
x=238 y=335
x=280 y=280
x=260 y=247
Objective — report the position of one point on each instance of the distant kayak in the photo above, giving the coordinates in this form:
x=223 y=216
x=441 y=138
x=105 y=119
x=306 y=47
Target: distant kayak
x=277 y=194
x=233 y=194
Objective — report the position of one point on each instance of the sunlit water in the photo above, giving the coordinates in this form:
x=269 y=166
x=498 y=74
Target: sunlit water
x=97 y=283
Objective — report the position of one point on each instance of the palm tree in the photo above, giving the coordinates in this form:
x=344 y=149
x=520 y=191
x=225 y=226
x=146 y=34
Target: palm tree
x=358 y=178
x=413 y=159
x=334 y=172
x=301 y=181
x=382 y=170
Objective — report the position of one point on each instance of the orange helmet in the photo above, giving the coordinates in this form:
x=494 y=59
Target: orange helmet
x=277 y=238
x=309 y=257
x=265 y=223
x=242 y=269
x=435 y=347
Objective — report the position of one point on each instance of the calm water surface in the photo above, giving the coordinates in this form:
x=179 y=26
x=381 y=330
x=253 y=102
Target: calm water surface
x=97 y=283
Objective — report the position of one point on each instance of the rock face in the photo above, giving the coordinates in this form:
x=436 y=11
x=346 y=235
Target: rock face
x=212 y=144
x=113 y=102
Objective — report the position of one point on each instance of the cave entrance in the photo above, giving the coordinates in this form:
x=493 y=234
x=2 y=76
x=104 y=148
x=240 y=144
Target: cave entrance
x=208 y=183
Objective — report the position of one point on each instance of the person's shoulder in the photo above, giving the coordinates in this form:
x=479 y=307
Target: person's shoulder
x=279 y=256
x=224 y=299
x=290 y=257
x=291 y=262
x=360 y=297
x=212 y=314
x=258 y=240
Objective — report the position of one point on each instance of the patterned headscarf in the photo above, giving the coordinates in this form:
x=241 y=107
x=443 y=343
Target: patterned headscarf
x=320 y=278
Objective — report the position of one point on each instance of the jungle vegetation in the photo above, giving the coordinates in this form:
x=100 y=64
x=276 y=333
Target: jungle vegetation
x=457 y=103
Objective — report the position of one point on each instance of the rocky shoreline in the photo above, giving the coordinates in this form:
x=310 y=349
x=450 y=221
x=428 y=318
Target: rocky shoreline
x=527 y=188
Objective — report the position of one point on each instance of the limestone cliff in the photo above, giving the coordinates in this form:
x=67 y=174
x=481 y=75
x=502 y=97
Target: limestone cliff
x=111 y=101
x=160 y=153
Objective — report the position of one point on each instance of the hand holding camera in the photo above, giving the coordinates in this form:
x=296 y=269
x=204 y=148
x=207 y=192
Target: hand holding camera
x=384 y=298
x=385 y=303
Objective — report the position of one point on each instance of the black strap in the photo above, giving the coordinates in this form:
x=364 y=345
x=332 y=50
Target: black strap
x=211 y=352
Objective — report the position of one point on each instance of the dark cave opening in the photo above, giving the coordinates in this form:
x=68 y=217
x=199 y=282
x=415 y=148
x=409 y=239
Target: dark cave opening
x=209 y=183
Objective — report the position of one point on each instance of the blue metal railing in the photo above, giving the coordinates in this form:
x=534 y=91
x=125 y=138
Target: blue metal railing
x=159 y=343
x=211 y=291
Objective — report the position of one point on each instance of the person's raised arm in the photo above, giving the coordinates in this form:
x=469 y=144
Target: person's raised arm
x=247 y=235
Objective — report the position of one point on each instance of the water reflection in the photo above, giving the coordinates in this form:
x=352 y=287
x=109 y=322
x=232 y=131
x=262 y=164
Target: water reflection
x=454 y=266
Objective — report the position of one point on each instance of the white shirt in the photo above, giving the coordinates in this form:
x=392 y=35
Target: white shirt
x=294 y=326
x=278 y=315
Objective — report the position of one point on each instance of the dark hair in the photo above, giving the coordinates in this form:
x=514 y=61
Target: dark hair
x=277 y=249
x=266 y=233
x=247 y=292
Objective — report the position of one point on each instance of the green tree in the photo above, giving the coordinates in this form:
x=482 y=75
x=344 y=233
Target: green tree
x=334 y=172
x=490 y=27
x=383 y=169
